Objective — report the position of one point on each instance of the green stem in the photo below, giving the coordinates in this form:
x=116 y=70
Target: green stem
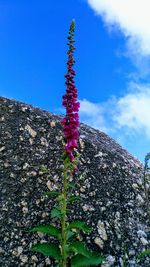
x=63 y=219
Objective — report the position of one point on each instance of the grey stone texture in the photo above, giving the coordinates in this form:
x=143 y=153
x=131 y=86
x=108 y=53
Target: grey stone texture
x=111 y=189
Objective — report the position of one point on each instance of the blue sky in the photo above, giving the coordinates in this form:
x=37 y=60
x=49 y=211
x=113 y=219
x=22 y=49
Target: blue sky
x=112 y=62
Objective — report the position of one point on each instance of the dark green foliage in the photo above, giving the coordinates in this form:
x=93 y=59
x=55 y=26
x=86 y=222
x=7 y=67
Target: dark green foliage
x=144 y=254
x=82 y=261
x=44 y=169
x=48 y=249
x=47 y=229
x=70 y=235
x=80 y=225
x=73 y=198
x=80 y=248
x=56 y=213
x=71 y=185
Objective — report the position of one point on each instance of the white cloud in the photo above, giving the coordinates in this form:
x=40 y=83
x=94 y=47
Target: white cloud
x=129 y=113
x=131 y=17
x=127 y=118
x=133 y=110
x=92 y=114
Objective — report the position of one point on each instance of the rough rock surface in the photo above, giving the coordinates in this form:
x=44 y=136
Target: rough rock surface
x=112 y=193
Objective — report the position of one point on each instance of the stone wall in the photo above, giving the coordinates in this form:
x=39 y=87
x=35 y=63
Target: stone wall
x=112 y=192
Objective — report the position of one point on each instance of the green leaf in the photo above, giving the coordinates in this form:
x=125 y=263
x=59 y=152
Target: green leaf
x=144 y=254
x=71 y=185
x=47 y=229
x=44 y=169
x=73 y=198
x=52 y=194
x=56 y=213
x=80 y=248
x=82 y=261
x=48 y=249
x=80 y=225
x=70 y=235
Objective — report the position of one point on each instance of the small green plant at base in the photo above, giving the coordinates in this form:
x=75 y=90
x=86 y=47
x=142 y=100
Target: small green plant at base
x=44 y=169
x=144 y=254
x=67 y=249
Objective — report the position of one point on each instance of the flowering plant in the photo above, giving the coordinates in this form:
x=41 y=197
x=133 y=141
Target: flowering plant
x=68 y=250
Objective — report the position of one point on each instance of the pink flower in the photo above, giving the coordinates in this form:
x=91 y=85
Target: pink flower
x=71 y=121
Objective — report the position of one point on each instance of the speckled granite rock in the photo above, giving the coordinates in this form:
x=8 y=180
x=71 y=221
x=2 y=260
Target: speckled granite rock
x=113 y=200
